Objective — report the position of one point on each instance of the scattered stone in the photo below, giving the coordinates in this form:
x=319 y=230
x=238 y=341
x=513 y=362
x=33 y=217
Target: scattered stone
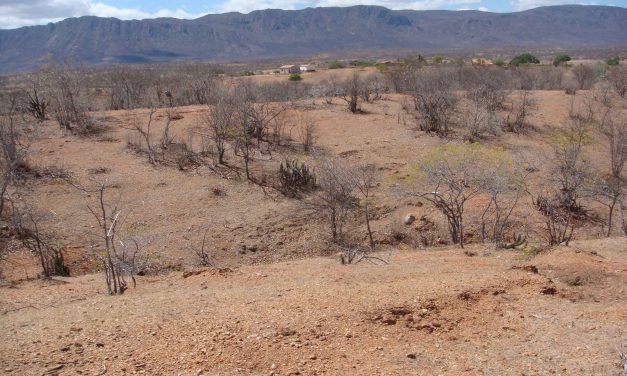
x=548 y=290
x=409 y=219
x=54 y=370
x=190 y=273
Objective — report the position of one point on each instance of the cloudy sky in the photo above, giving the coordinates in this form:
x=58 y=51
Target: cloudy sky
x=17 y=13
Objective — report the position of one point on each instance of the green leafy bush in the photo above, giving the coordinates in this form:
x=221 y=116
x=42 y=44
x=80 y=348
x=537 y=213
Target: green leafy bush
x=295 y=77
x=525 y=58
x=560 y=59
x=613 y=61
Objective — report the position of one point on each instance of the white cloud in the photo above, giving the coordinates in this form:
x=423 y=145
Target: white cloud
x=16 y=13
x=246 y=6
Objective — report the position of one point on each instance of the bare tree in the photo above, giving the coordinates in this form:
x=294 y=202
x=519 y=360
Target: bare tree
x=452 y=175
x=584 y=75
x=504 y=185
x=560 y=223
x=42 y=243
x=570 y=171
x=166 y=138
x=365 y=181
x=434 y=101
x=335 y=196
x=117 y=263
x=307 y=134
x=16 y=135
x=244 y=137
x=520 y=108
x=260 y=117
x=618 y=78
x=477 y=121
x=145 y=133
x=221 y=120
x=68 y=100
x=127 y=87
x=609 y=188
x=204 y=258
x=352 y=90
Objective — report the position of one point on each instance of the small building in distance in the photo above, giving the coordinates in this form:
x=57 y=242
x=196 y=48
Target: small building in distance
x=307 y=68
x=482 y=62
x=289 y=69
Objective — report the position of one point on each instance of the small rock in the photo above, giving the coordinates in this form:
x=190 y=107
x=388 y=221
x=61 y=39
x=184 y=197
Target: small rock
x=411 y=355
x=409 y=219
x=548 y=290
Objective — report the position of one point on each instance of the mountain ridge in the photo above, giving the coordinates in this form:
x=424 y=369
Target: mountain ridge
x=274 y=33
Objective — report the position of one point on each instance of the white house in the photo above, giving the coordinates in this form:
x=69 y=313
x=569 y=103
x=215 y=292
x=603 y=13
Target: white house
x=307 y=68
x=288 y=69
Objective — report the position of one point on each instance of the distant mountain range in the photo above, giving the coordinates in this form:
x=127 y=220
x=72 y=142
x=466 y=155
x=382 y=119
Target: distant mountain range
x=278 y=33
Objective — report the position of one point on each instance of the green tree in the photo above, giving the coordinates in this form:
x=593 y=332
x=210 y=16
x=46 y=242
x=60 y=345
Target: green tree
x=613 y=61
x=525 y=58
x=561 y=59
x=295 y=77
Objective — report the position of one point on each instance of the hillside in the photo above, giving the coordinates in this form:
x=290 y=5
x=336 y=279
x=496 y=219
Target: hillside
x=558 y=313
x=278 y=33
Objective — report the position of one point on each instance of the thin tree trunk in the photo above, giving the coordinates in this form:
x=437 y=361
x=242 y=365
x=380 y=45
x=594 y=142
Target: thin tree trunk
x=368 y=227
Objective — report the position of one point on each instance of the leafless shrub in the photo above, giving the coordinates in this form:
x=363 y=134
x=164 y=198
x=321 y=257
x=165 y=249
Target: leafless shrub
x=307 y=134
x=365 y=181
x=352 y=90
x=335 y=197
x=42 y=243
x=609 y=188
x=434 y=102
x=559 y=223
x=584 y=75
x=516 y=120
x=220 y=120
x=450 y=177
x=127 y=86
x=37 y=104
x=144 y=131
x=16 y=136
x=618 y=77
x=570 y=171
x=374 y=88
x=504 y=185
x=477 y=121
x=202 y=255
x=117 y=256
x=68 y=98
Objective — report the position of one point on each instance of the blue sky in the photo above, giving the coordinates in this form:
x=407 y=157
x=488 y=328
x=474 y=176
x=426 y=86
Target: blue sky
x=16 y=13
